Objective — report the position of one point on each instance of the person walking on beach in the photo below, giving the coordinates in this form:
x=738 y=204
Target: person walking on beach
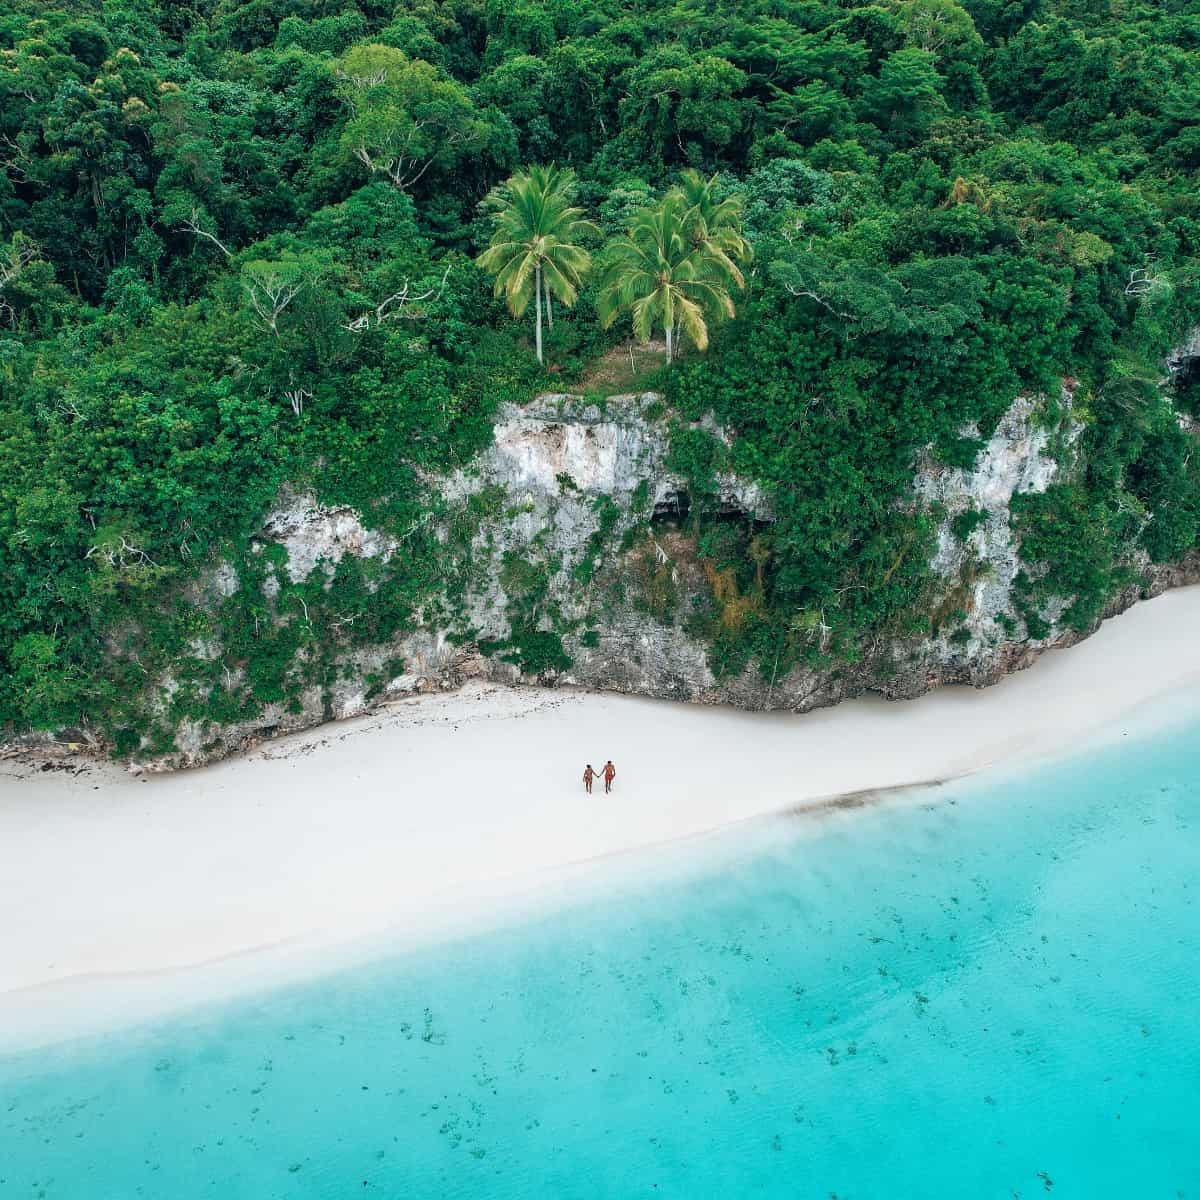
x=610 y=773
x=588 y=776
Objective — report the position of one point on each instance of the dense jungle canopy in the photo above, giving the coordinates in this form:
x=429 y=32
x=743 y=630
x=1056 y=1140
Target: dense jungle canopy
x=240 y=247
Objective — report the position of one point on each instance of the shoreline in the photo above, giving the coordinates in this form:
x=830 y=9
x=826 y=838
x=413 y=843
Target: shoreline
x=129 y=896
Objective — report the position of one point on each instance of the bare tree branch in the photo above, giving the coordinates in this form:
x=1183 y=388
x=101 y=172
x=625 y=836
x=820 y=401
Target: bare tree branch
x=374 y=79
x=808 y=294
x=296 y=397
x=14 y=258
x=15 y=159
x=396 y=306
x=269 y=293
x=400 y=163
x=122 y=556
x=192 y=225
x=1142 y=282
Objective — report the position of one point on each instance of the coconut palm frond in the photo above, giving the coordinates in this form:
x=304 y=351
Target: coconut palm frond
x=675 y=267
x=690 y=318
x=535 y=241
x=561 y=284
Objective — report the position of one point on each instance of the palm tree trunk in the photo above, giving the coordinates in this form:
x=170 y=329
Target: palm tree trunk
x=670 y=353
x=549 y=305
x=538 y=292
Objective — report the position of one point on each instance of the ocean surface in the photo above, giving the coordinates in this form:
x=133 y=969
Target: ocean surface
x=987 y=990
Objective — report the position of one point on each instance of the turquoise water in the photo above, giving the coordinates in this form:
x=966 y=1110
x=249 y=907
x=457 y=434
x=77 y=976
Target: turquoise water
x=991 y=992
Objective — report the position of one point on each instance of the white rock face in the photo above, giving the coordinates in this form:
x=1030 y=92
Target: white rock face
x=315 y=535
x=554 y=459
x=557 y=459
x=557 y=443
x=534 y=447
x=1185 y=357
x=532 y=547
x=1014 y=461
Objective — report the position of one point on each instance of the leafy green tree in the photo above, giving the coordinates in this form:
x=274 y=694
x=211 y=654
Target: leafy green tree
x=26 y=282
x=46 y=684
x=296 y=303
x=406 y=117
x=905 y=98
x=679 y=105
x=943 y=28
x=665 y=279
x=997 y=19
x=535 y=250
x=516 y=87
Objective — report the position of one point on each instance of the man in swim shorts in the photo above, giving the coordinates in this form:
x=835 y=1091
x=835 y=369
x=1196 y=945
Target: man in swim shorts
x=610 y=773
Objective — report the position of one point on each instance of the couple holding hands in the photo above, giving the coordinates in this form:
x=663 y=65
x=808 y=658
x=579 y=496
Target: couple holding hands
x=608 y=773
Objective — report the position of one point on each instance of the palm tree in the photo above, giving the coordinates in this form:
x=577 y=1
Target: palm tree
x=534 y=251
x=712 y=222
x=665 y=279
x=553 y=181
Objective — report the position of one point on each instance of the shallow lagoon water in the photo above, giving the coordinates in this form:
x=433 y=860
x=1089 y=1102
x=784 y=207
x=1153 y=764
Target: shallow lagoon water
x=991 y=989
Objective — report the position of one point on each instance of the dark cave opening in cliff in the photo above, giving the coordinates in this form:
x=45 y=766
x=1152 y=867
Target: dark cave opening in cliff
x=1186 y=381
x=676 y=511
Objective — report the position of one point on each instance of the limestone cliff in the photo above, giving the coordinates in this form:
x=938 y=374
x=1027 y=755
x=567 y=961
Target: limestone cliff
x=579 y=569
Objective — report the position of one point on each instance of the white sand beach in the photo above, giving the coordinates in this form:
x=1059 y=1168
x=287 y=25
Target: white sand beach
x=118 y=885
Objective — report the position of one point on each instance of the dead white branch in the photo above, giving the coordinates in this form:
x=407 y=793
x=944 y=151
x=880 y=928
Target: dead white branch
x=1142 y=282
x=296 y=396
x=192 y=225
x=363 y=82
x=664 y=559
x=397 y=307
x=397 y=162
x=123 y=556
x=414 y=528
x=13 y=260
x=269 y=293
x=401 y=162
x=809 y=294
x=16 y=159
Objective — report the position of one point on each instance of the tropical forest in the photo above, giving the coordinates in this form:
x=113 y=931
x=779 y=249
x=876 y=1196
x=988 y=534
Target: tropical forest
x=260 y=249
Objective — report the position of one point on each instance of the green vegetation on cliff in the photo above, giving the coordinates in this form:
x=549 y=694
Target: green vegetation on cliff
x=238 y=247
